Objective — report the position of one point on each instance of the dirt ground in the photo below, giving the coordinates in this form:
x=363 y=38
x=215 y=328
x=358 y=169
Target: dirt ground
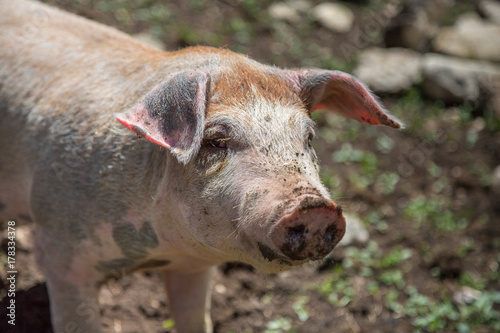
x=425 y=194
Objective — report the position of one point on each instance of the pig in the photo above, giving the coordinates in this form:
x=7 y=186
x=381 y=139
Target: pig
x=128 y=158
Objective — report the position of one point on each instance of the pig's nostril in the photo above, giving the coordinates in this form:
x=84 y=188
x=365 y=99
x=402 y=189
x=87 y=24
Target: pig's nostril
x=295 y=241
x=330 y=234
x=297 y=233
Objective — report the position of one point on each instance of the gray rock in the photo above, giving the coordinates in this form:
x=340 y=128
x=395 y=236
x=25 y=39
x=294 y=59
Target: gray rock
x=284 y=12
x=466 y=295
x=470 y=37
x=355 y=231
x=300 y=5
x=334 y=16
x=490 y=9
x=455 y=80
x=416 y=24
x=389 y=70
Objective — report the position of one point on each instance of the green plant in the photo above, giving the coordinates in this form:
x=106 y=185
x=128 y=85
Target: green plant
x=279 y=325
x=393 y=277
x=436 y=212
x=384 y=143
x=386 y=182
x=376 y=219
x=367 y=160
x=435 y=316
x=169 y=323
x=300 y=309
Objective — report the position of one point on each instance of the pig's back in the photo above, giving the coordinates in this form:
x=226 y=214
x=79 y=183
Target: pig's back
x=62 y=78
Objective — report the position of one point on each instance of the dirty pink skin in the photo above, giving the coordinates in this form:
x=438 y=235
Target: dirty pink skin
x=128 y=158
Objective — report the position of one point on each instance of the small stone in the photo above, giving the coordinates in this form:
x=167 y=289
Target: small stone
x=355 y=231
x=466 y=295
x=456 y=80
x=490 y=9
x=300 y=5
x=220 y=289
x=284 y=12
x=334 y=16
x=470 y=37
x=416 y=24
x=389 y=70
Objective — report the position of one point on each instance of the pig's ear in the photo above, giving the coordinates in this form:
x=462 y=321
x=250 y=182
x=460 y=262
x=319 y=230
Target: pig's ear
x=172 y=115
x=340 y=92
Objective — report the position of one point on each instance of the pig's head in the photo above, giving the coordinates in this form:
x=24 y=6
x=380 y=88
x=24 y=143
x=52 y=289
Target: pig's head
x=244 y=181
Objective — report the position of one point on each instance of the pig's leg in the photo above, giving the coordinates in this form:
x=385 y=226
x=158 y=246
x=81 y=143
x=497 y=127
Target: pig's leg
x=71 y=285
x=73 y=309
x=189 y=300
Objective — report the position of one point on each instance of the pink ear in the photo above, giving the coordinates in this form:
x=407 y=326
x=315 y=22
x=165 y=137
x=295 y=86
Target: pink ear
x=172 y=115
x=133 y=122
x=340 y=92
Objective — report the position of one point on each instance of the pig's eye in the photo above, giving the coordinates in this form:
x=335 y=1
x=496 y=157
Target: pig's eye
x=219 y=143
x=310 y=138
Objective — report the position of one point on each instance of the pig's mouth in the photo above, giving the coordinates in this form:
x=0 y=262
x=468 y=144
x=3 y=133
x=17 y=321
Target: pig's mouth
x=271 y=255
x=309 y=229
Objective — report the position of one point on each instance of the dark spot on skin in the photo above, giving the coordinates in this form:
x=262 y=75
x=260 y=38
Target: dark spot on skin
x=25 y=217
x=129 y=241
x=267 y=252
x=148 y=235
x=120 y=266
x=134 y=243
x=114 y=266
x=153 y=263
x=2 y=206
x=267 y=118
x=271 y=255
x=77 y=230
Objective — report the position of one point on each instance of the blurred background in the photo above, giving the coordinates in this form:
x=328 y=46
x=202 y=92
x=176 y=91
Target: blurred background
x=422 y=204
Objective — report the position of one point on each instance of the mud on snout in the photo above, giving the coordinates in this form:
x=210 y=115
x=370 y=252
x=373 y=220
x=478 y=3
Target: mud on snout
x=308 y=229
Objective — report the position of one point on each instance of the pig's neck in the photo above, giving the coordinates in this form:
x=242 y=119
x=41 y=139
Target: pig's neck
x=153 y=187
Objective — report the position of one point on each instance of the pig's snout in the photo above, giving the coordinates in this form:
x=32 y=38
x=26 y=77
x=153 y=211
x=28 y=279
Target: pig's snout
x=311 y=230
